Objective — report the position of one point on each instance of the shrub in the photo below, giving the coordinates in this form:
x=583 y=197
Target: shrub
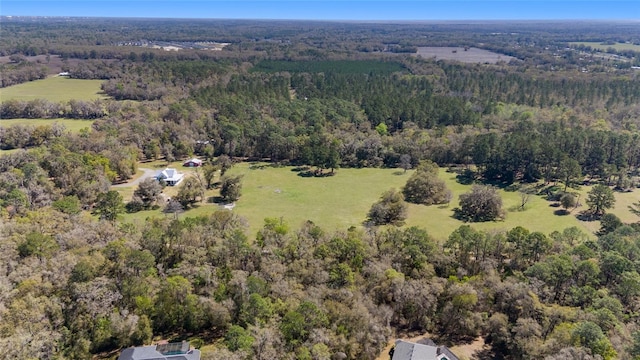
x=391 y=209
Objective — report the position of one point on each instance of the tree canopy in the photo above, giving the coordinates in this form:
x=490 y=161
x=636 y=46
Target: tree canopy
x=482 y=203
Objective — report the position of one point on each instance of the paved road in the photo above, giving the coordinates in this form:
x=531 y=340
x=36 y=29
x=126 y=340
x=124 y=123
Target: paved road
x=147 y=174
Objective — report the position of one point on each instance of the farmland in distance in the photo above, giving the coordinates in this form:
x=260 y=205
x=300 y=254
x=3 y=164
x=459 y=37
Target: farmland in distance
x=465 y=55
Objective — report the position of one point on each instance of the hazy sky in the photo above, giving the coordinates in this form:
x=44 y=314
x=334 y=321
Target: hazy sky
x=333 y=10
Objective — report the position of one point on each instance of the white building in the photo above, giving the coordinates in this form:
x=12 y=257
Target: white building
x=170 y=176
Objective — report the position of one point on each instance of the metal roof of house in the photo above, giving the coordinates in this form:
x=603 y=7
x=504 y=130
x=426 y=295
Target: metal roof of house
x=169 y=174
x=419 y=351
x=171 y=351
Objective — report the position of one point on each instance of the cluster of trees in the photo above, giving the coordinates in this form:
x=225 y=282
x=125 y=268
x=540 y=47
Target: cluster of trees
x=43 y=109
x=20 y=72
x=75 y=286
x=82 y=165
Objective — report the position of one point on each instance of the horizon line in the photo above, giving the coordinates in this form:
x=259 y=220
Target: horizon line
x=479 y=20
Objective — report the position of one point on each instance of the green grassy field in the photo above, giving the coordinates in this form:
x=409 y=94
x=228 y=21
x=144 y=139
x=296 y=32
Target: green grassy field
x=54 y=89
x=603 y=47
x=70 y=124
x=340 y=201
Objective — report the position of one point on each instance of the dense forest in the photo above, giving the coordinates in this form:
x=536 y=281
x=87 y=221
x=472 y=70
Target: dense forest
x=323 y=95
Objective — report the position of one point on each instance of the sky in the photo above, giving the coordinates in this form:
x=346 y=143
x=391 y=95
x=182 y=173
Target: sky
x=363 y=10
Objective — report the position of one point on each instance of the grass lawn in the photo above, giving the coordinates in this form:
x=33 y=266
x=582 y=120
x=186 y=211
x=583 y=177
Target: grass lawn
x=54 y=89
x=72 y=125
x=332 y=202
x=538 y=214
x=340 y=201
x=603 y=47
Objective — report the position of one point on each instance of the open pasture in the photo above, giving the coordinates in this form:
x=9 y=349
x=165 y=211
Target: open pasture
x=72 y=125
x=343 y=200
x=465 y=55
x=54 y=89
x=603 y=46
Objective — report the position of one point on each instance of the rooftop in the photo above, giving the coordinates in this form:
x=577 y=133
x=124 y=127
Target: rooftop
x=170 y=351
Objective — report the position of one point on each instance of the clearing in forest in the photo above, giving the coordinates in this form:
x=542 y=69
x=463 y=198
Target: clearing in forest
x=463 y=54
x=54 y=89
x=603 y=46
x=73 y=125
x=344 y=199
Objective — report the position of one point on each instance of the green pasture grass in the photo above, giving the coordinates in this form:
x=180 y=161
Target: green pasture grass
x=335 y=66
x=54 y=89
x=332 y=202
x=603 y=47
x=343 y=200
x=72 y=125
x=538 y=213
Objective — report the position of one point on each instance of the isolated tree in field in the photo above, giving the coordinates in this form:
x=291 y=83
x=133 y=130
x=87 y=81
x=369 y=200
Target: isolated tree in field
x=173 y=207
x=525 y=196
x=405 y=162
x=568 y=200
x=209 y=174
x=424 y=187
x=109 y=205
x=190 y=191
x=231 y=188
x=482 y=203
x=224 y=163
x=390 y=209
x=599 y=199
x=148 y=192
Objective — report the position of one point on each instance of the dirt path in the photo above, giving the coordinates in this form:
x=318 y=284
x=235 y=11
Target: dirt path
x=147 y=173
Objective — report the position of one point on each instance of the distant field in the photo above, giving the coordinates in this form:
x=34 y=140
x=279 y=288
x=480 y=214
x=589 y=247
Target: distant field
x=340 y=201
x=471 y=55
x=70 y=124
x=603 y=47
x=338 y=66
x=54 y=89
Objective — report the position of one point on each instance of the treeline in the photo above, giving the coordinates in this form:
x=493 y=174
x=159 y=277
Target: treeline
x=593 y=91
x=552 y=152
x=450 y=115
x=23 y=71
x=43 y=109
x=74 y=287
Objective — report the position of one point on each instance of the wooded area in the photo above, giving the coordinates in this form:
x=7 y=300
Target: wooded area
x=321 y=96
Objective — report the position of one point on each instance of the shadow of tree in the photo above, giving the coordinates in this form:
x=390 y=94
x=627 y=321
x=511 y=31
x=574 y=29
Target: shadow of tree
x=587 y=216
x=315 y=173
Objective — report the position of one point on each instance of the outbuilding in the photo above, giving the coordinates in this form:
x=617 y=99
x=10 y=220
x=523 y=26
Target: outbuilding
x=195 y=162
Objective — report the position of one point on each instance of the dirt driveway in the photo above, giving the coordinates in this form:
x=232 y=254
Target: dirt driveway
x=147 y=173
